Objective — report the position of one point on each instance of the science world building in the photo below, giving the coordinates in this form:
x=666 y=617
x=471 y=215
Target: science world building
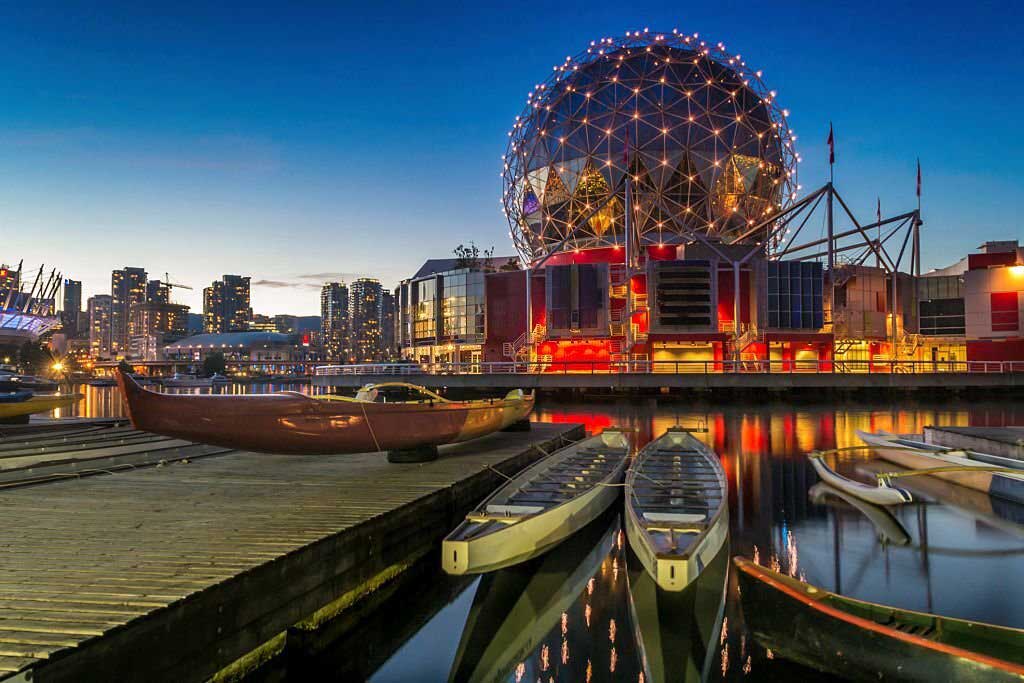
x=650 y=188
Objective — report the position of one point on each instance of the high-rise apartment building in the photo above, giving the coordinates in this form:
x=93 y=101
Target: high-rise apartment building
x=100 y=313
x=334 y=322
x=226 y=305
x=71 y=310
x=127 y=288
x=364 y=320
x=387 y=325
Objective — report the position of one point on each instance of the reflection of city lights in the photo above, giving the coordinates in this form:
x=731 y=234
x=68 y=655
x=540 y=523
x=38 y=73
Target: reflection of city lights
x=565 y=652
x=757 y=555
x=565 y=623
x=769 y=654
x=611 y=630
x=545 y=655
x=746 y=666
x=613 y=660
x=725 y=658
x=590 y=671
x=520 y=671
x=586 y=614
x=590 y=586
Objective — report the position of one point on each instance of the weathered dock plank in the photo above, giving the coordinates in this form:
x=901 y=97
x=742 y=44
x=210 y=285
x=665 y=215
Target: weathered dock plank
x=171 y=572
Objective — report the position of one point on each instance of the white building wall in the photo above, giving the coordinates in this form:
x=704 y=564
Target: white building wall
x=978 y=288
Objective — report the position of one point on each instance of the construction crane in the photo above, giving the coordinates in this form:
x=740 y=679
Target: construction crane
x=168 y=285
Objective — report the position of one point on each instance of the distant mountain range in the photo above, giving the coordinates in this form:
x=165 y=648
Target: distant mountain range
x=304 y=323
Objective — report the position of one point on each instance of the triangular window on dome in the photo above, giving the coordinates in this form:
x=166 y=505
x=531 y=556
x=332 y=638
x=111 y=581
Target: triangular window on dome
x=554 y=190
x=685 y=188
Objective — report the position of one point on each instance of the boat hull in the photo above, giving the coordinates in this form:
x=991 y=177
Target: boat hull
x=527 y=539
x=783 y=618
x=36 y=404
x=676 y=571
x=531 y=536
x=876 y=495
x=1010 y=487
x=289 y=422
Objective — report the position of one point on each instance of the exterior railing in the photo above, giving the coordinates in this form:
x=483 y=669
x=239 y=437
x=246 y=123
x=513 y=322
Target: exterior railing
x=677 y=367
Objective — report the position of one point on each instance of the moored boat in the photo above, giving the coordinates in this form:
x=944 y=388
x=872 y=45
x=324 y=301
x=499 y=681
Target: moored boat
x=180 y=380
x=877 y=495
x=19 y=411
x=540 y=507
x=861 y=640
x=677 y=516
x=16 y=396
x=290 y=422
x=965 y=468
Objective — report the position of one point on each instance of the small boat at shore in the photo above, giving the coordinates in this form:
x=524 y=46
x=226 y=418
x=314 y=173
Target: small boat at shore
x=677 y=515
x=993 y=475
x=179 y=380
x=540 y=507
x=876 y=495
x=19 y=411
x=860 y=640
x=290 y=422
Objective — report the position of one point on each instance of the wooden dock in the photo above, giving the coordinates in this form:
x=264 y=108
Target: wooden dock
x=129 y=556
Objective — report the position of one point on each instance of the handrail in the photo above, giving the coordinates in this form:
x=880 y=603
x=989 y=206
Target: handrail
x=706 y=367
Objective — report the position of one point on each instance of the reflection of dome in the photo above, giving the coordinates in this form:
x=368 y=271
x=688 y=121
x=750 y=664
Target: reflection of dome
x=702 y=138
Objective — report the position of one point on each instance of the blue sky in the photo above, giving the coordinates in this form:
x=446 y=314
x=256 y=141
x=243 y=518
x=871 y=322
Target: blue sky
x=296 y=144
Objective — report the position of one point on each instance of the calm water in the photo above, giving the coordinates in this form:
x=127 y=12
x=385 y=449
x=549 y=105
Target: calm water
x=584 y=612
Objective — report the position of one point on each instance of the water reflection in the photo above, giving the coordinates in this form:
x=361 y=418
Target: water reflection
x=559 y=617
x=952 y=552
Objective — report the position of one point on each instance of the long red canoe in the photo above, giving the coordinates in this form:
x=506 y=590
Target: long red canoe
x=290 y=422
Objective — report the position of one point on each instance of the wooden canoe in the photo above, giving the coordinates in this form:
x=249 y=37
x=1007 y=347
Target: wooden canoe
x=514 y=609
x=37 y=404
x=290 y=422
x=677 y=513
x=912 y=453
x=862 y=640
x=540 y=507
x=876 y=495
x=678 y=633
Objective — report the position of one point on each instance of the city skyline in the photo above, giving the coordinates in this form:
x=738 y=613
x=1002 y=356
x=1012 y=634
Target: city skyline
x=210 y=158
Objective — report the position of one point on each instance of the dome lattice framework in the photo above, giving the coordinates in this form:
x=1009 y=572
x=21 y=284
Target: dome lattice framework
x=706 y=147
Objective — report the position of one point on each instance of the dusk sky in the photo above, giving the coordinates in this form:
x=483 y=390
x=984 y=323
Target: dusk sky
x=300 y=144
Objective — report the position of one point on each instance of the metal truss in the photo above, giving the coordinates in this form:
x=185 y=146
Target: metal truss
x=697 y=134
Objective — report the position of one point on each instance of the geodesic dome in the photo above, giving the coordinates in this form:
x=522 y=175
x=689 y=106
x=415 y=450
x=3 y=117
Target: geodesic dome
x=690 y=130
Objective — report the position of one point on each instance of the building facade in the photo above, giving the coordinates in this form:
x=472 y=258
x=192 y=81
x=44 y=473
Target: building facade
x=334 y=322
x=440 y=312
x=128 y=287
x=156 y=324
x=226 y=305
x=388 y=321
x=365 y=295
x=100 y=311
x=71 y=310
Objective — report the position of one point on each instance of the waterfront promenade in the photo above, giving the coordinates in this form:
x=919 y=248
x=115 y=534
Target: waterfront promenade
x=698 y=375
x=174 y=560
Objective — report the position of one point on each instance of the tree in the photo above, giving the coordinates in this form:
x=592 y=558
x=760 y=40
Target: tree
x=470 y=256
x=214 y=363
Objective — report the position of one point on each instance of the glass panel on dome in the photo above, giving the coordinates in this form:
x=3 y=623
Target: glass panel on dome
x=554 y=190
x=530 y=202
x=538 y=181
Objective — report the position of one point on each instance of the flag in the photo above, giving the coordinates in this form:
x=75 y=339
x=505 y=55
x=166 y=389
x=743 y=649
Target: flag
x=878 y=211
x=918 y=177
x=831 y=145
